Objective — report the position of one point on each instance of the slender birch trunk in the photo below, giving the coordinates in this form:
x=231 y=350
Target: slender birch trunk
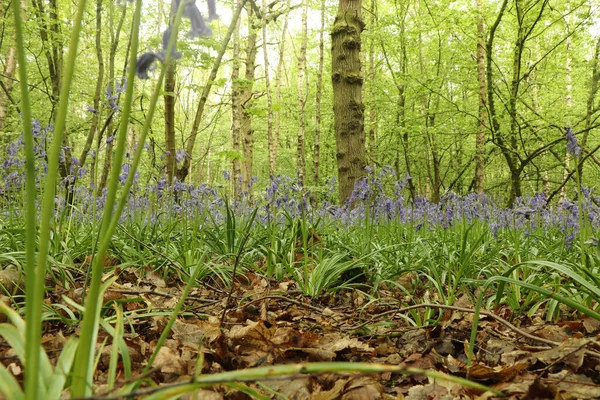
x=483 y=116
x=236 y=109
x=317 y=156
x=278 y=82
x=372 y=112
x=301 y=84
x=270 y=140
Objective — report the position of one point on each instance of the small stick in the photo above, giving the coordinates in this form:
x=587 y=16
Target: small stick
x=461 y=309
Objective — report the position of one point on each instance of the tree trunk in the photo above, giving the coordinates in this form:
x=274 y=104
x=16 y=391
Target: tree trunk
x=183 y=171
x=317 y=156
x=433 y=157
x=7 y=80
x=483 y=116
x=301 y=85
x=169 y=98
x=372 y=113
x=236 y=109
x=247 y=101
x=114 y=37
x=97 y=93
x=348 y=108
x=278 y=78
x=402 y=137
x=568 y=104
x=267 y=86
x=50 y=33
x=590 y=108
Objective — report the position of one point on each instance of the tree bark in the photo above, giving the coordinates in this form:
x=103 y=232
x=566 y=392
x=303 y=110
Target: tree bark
x=97 y=93
x=317 y=146
x=399 y=78
x=348 y=108
x=267 y=86
x=169 y=99
x=301 y=85
x=183 y=171
x=590 y=109
x=483 y=116
x=115 y=35
x=247 y=102
x=372 y=112
x=278 y=82
x=236 y=109
x=7 y=83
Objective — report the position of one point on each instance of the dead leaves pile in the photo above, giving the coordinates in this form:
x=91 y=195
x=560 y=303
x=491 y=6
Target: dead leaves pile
x=269 y=323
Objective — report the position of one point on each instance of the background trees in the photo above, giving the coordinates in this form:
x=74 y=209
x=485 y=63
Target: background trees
x=460 y=96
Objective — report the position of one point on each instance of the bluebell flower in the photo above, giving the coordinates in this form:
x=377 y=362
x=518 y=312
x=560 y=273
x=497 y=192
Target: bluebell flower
x=120 y=88
x=91 y=109
x=112 y=99
x=145 y=64
x=110 y=139
x=124 y=173
x=572 y=145
x=165 y=43
x=191 y=11
x=180 y=155
x=36 y=128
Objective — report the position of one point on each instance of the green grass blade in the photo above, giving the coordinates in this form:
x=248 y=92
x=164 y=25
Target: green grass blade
x=62 y=370
x=9 y=386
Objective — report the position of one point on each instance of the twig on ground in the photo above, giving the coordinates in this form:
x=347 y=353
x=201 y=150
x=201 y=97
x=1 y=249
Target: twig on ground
x=461 y=309
x=163 y=294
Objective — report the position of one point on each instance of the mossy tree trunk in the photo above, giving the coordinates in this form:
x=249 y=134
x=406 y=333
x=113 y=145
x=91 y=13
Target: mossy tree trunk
x=348 y=108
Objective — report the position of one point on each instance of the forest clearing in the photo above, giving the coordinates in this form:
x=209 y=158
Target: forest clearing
x=350 y=199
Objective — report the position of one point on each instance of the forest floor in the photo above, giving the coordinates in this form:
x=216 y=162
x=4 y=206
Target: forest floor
x=267 y=323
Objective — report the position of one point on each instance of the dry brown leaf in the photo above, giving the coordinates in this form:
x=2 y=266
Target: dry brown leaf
x=570 y=353
x=480 y=372
x=202 y=394
x=193 y=334
x=11 y=280
x=299 y=388
x=591 y=325
x=431 y=391
x=313 y=353
x=334 y=393
x=363 y=388
x=256 y=335
x=168 y=362
x=335 y=342
x=575 y=386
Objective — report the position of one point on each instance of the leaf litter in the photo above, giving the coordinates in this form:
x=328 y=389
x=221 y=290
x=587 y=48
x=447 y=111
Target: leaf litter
x=268 y=323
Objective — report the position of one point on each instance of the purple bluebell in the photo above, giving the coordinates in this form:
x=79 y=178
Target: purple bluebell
x=120 y=88
x=112 y=99
x=572 y=145
x=145 y=64
x=191 y=11
x=180 y=155
x=165 y=43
